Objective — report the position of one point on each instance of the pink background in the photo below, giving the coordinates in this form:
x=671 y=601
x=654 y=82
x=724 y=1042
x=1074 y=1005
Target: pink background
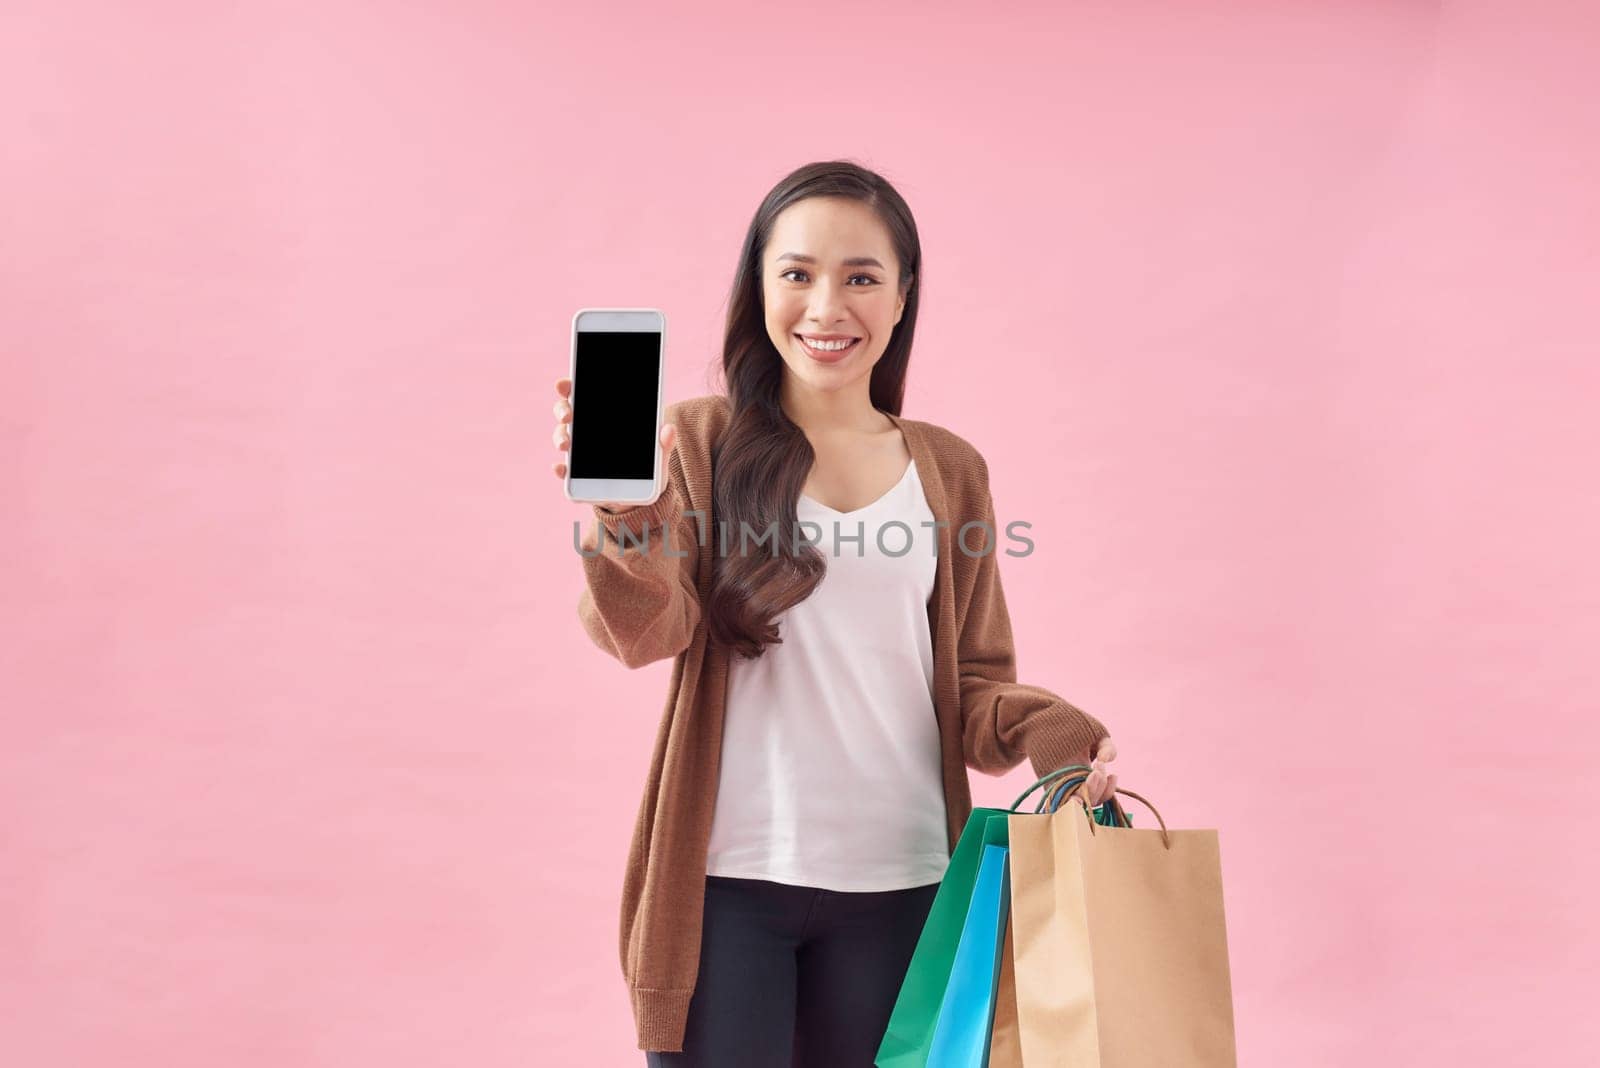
x=1275 y=320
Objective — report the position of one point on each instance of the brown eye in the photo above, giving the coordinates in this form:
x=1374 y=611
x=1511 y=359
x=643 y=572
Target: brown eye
x=796 y=270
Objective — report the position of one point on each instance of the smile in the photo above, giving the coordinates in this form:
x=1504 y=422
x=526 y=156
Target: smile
x=828 y=351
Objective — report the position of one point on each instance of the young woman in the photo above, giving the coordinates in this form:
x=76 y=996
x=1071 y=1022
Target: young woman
x=815 y=564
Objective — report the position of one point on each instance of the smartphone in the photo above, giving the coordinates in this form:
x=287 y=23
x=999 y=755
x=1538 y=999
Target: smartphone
x=618 y=372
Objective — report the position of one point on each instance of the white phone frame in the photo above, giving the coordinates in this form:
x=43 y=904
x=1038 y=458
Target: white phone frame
x=621 y=320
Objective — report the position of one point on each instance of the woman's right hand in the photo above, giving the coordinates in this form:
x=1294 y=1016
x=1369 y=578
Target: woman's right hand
x=563 y=440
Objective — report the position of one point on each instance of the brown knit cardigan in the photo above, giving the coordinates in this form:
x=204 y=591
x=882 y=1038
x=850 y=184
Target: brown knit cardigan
x=642 y=604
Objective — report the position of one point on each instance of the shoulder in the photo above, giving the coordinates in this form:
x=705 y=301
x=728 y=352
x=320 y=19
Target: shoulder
x=958 y=457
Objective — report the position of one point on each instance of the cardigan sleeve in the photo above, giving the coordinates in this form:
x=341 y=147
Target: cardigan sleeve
x=639 y=601
x=1004 y=721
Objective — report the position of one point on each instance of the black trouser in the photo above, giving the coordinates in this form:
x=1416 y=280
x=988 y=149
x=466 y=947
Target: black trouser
x=796 y=976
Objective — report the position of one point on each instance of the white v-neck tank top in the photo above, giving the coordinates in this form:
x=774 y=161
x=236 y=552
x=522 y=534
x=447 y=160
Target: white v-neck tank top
x=830 y=771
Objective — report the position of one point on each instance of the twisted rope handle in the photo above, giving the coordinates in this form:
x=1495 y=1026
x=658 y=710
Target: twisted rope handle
x=1066 y=783
x=1059 y=773
x=1166 y=838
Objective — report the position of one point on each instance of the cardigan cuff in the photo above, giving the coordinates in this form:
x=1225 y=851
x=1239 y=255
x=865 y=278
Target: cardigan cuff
x=1063 y=736
x=638 y=519
x=660 y=1017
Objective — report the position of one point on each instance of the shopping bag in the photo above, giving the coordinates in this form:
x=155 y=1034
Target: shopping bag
x=961 y=1032
x=1120 y=949
x=909 y=1034
x=1005 y=1043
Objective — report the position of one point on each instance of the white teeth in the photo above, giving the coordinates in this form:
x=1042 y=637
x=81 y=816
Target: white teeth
x=830 y=346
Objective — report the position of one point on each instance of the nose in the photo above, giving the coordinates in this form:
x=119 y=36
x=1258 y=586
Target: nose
x=827 y=304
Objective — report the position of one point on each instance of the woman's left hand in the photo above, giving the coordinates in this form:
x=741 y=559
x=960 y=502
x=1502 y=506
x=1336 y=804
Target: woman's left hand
x=1100 y=783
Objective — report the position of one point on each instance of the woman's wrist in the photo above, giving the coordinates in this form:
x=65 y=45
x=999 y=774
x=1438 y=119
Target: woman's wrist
x=664 y=509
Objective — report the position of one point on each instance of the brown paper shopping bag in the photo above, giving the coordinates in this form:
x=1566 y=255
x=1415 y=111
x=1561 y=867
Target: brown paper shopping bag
x=1120 y=953
x=1005 y=1048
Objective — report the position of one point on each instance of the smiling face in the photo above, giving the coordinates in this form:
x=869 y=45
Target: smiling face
x=829 y=271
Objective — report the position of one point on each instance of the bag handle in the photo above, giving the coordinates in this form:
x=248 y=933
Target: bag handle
x=1058 y=780
x=1066 y=783
x=1166 y=838
x=1057 y=774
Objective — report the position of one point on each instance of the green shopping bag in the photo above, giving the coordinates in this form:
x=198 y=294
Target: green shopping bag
x=910 y=1032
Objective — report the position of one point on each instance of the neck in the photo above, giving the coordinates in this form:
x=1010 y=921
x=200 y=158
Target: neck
x=848 y=410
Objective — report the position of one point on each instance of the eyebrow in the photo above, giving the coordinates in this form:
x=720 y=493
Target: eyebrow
x=854 y=261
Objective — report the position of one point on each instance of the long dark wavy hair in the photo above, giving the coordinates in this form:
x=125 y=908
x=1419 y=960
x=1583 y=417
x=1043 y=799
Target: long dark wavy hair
x=760 y=462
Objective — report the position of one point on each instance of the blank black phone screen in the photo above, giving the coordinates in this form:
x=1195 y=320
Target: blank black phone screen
x=615 y=386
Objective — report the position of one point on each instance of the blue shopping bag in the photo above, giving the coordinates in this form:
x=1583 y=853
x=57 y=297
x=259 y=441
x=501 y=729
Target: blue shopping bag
x=909 y=1035
x=966 y=1015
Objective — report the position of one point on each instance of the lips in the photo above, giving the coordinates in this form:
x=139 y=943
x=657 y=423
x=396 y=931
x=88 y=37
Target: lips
x=824 y=356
